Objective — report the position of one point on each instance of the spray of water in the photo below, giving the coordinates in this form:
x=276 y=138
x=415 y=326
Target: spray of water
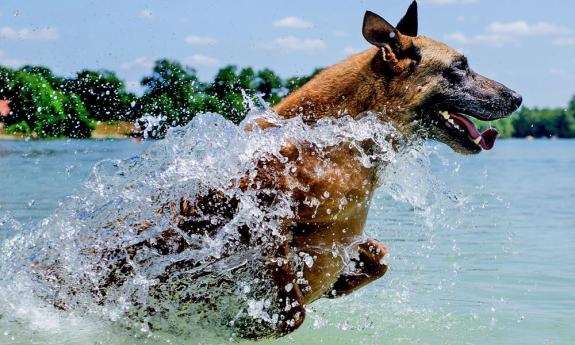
x=97 y=257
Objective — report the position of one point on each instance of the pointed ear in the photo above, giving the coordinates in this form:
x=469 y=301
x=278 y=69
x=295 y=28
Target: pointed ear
x=408 y=25
x=378 y=31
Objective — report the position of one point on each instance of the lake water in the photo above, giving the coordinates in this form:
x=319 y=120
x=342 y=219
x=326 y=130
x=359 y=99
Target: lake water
x=499 y=269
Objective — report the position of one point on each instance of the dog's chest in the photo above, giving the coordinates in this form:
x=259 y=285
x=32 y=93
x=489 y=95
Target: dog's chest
x=329 y=220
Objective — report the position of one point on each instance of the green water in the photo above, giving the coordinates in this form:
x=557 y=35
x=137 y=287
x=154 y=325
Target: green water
x=498 y=270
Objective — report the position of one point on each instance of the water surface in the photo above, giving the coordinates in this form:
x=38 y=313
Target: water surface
x=498 y=269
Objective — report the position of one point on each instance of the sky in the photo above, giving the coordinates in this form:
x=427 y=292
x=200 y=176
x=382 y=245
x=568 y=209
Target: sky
x=529 y=45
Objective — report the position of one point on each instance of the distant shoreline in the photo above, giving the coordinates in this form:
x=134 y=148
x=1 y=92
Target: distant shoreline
x=103 y=130
x=122 y=130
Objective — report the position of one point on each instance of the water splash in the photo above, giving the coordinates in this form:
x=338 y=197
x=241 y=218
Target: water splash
x=61 y=270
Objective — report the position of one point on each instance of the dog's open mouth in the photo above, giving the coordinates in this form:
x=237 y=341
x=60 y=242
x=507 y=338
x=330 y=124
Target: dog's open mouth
x=457 y=122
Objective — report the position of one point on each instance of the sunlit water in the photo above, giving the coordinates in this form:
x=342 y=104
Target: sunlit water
x=482 y=249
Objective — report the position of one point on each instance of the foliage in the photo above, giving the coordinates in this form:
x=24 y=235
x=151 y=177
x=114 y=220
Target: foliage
x=45 y=111
x=44 y=72
x=544 y=123
x=49 y=105
x=103 y=94
x=20 y=127
x=173 y=92
x=295 y=83
x=227 y=89
x=6 y=78
x=76 y=123
x=270 y=86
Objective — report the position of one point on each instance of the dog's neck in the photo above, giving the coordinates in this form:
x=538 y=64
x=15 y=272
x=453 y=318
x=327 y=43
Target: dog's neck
x=351 y=87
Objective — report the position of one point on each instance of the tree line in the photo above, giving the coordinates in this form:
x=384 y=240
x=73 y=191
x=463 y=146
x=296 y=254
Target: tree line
x=53 y=106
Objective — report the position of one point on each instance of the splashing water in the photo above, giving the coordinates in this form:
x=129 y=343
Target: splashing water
x=96 y=261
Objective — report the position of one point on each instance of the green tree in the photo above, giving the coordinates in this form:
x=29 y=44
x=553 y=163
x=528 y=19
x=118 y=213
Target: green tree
x=174 y=93
x=295 y=83
x=226 y=92
x=44 y=72
x=33 y=100
x=543 y=123
x=270 y=85
x=37 y=107
x=103 y=94
x=565 y=124
x=76 y=122
x=505 y=127
x=6 y=82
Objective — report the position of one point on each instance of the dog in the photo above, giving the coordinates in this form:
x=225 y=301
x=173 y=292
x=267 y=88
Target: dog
x=423 y=88
x=420 y=86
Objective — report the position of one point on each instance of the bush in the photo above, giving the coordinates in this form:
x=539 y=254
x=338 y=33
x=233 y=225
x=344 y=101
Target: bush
x=104 y=95
x=47 y=112
x=20 y=127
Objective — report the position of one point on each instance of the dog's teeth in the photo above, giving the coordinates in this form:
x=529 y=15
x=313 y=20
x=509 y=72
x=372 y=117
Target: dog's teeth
x=477 y=140
x=451 y=121
x=445 y=115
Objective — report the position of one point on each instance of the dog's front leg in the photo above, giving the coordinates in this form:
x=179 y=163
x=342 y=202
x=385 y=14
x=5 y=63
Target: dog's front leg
x=290 y=297
x=370 y=266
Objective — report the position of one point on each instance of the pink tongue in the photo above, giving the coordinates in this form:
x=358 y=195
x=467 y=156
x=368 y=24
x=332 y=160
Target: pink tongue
x=488 y=137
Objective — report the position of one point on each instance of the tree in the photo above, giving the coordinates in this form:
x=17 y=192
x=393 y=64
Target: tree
x=37 y=107
x=173 y=92
x=6 y=81
x=270 y=86
x=33 y=100
x=46 y=73
x=544 y=123
x=103 y=95
x=76 y=122
x=565 y=124
x=295 y=83
x=228 y=90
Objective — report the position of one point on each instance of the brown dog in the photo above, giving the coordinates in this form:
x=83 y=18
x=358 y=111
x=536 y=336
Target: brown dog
x=420 y=86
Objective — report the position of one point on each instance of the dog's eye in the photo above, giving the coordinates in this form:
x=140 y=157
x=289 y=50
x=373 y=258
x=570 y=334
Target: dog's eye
x=460 y=65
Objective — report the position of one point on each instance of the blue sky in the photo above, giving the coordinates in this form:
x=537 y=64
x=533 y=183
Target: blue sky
x=527 y=44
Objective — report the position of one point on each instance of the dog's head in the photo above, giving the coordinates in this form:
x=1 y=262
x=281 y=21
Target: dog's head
x=434 y=85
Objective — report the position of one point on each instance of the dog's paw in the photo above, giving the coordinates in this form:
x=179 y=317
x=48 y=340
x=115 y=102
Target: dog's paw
x=373 y=258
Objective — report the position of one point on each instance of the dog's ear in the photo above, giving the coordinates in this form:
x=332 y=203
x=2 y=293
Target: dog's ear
x=378 y=31
x=408 y=25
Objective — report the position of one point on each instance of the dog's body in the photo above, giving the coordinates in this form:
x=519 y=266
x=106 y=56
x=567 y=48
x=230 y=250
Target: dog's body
x=381 y=79
x=409 y=80
x=405 y=78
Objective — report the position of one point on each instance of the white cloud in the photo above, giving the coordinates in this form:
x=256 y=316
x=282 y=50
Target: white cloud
x=202 y=61
x=500 y=34
x=341 y=34
x=457 y=37
x=39 y=34
x=522 y=28
x=564 y=41
x=292 y=23
x=350 y=50
x=291 y=43
x=451 y=2
x=142 y=62
x=146 y=13
x=6 y=60
x=199 y=40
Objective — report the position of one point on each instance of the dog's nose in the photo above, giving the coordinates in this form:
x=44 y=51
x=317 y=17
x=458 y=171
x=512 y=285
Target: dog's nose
x=516 y=99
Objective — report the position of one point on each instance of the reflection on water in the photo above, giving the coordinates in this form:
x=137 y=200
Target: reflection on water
x=494 y=266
